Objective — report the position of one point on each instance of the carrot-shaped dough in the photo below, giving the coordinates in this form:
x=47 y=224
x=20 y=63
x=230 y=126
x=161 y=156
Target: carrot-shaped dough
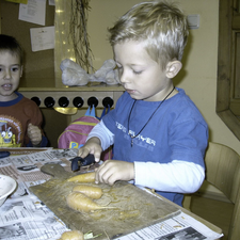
x=80 y=202
x=92 y=192
x=85 y=177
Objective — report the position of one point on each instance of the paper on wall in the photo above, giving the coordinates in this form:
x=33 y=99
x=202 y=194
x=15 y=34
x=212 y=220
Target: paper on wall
x=42 y=38
x=18 y=1
x=34 y=11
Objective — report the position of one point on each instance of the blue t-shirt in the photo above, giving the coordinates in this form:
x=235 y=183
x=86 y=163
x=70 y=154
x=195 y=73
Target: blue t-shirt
x=177 y=131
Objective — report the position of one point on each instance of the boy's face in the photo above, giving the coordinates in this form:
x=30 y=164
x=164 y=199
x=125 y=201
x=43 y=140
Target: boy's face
x=141 y=76
x=10 y=74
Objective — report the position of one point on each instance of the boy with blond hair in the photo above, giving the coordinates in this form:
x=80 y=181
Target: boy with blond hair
x=158 y=134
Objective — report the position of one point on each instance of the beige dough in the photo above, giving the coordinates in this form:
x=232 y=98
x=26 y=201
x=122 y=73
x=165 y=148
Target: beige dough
x=92 y=192
x=72 y=235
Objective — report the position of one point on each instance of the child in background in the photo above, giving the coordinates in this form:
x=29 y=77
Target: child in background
x=158 y=133
x=20 y=117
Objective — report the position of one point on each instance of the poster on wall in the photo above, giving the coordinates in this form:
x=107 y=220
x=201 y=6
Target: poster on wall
x=33 y=11
x=42 y=38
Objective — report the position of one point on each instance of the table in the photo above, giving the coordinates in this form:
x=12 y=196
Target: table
x=25 y=216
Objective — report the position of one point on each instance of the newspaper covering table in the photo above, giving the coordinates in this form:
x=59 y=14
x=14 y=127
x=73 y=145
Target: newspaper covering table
x=24 y=216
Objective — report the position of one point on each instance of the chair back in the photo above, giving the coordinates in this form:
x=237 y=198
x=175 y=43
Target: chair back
x=223 y=172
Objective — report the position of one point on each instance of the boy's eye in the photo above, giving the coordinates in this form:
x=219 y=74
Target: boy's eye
x=15 y=69
x=137 y=72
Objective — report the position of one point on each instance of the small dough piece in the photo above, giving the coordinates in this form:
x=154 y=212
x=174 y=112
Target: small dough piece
x=72 y=235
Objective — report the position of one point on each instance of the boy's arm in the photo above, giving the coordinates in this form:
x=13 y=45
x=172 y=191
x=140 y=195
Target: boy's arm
x=176 y=176
x=43 y=143
x=36 y=137
x=36 y=119
x=99 y=139
x=101 y=132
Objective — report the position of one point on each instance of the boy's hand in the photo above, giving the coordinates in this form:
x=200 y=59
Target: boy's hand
x=112 y=170
x=92 y=146
x=35 y=134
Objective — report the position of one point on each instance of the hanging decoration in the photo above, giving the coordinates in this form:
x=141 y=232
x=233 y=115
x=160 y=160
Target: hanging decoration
x=79 y=35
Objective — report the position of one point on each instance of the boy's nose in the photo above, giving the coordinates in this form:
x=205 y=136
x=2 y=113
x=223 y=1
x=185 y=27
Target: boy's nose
x=124 y=78
x=7 y=74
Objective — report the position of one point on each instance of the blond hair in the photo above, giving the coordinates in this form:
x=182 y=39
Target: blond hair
x=160 y=24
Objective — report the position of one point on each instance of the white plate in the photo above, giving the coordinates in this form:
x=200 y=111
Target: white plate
x=7 y=186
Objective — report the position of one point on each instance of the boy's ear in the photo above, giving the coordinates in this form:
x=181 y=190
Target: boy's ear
x=173 y=68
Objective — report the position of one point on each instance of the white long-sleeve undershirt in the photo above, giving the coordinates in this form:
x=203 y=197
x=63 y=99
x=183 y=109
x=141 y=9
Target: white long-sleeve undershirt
x=177 y=176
